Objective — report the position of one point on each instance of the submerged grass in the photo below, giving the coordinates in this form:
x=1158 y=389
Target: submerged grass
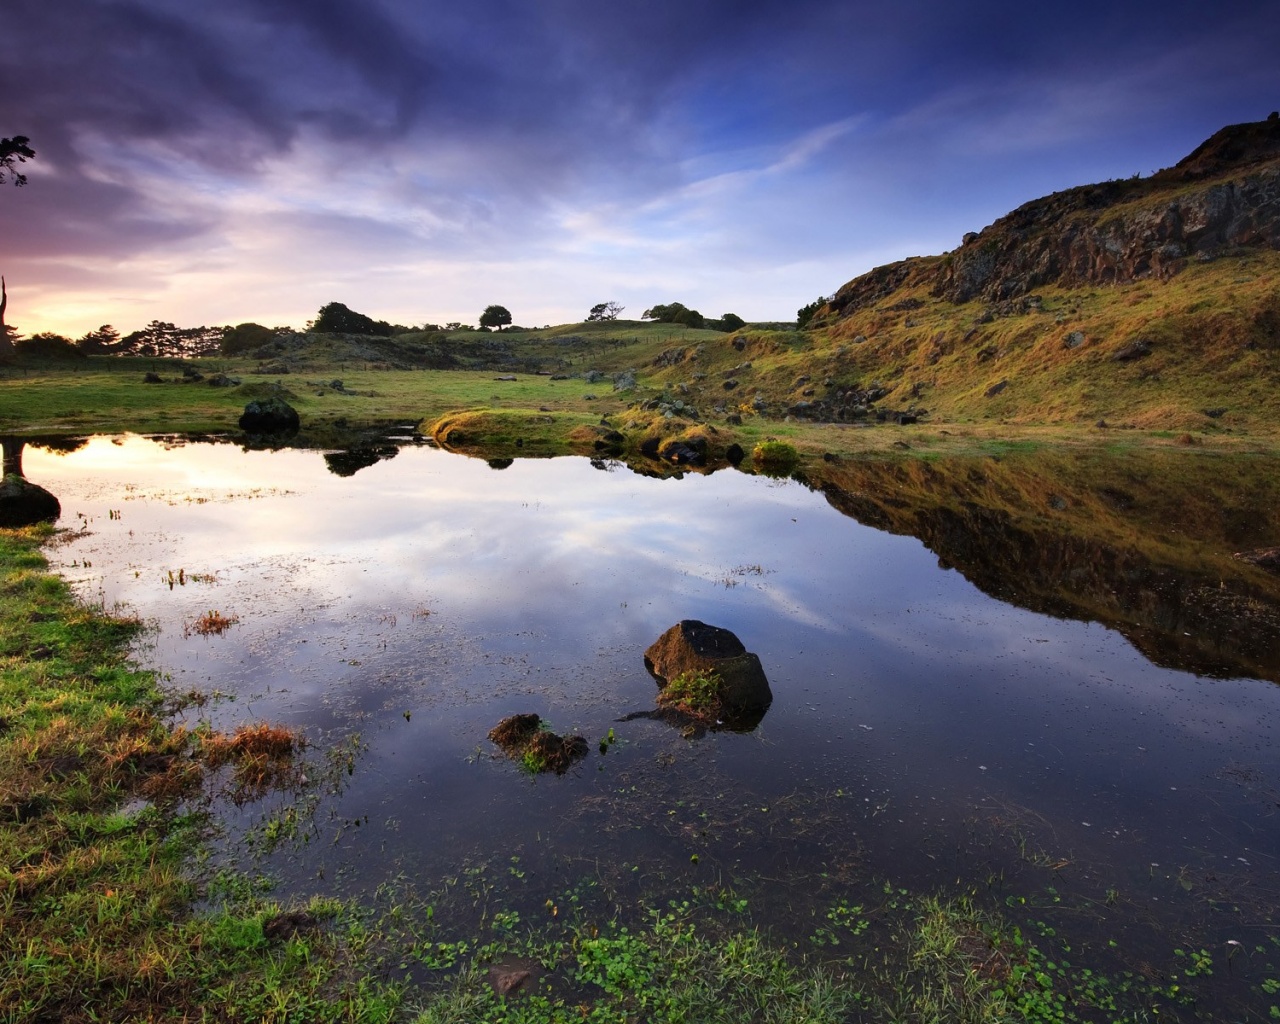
x=96 y=845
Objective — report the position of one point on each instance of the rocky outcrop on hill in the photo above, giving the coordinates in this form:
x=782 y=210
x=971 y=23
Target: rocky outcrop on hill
x=1223 y=196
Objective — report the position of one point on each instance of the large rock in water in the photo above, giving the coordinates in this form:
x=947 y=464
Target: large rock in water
x=23 y=503
x=269 y=416
x=693 y=646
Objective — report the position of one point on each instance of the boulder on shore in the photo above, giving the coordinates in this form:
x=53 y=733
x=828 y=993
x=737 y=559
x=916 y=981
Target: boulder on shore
x=269 y=416
x=23 y=503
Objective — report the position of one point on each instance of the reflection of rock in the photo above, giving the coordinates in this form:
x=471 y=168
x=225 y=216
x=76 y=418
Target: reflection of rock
x=23 y=503
x=691 y=452
x=269 y=416
x=692 y=647
x=522 y=736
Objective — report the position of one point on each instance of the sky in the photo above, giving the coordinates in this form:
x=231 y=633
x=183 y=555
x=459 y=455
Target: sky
x=417 y=160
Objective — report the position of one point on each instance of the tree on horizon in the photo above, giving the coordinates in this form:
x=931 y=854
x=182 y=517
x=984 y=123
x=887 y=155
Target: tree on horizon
x=495 y=316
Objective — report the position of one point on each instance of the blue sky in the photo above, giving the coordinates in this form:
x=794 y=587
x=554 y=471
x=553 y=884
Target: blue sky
x=418 y=160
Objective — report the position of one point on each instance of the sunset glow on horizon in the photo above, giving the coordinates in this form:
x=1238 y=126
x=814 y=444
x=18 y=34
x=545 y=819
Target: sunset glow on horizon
x=417 y=163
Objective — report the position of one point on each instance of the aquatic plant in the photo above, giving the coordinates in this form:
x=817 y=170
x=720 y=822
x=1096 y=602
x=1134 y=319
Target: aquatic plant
x=696 y=694
x=211 y=623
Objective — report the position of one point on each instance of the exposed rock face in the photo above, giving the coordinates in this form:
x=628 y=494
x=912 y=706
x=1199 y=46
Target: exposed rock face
x=1225 y=195
x=23 y=503
x=694 y=647
x=269 y=416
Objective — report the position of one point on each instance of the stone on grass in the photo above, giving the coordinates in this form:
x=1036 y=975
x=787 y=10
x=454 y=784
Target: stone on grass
x=269 y=416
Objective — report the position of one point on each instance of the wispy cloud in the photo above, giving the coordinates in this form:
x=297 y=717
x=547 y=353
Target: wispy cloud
x=427 y=157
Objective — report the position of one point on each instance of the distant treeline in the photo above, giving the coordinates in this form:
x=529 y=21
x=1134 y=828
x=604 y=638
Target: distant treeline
x=156 y=339
x=167 y=340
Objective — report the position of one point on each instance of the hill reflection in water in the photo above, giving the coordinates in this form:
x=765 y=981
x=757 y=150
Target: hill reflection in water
x=949 y=644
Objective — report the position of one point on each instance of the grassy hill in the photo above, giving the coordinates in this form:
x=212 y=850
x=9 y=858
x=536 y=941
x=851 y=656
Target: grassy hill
x=1149 y=303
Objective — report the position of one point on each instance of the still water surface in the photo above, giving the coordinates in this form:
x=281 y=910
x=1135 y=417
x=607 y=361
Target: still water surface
x=921 y=731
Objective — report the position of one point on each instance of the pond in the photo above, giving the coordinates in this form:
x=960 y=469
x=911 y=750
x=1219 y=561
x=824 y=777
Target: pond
x=1040 y=678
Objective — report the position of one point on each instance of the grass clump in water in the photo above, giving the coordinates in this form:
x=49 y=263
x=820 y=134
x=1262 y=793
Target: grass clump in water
x=530 y=741
x=262 y=757
x=696 y=694
x=96 y=887
x=212 y=623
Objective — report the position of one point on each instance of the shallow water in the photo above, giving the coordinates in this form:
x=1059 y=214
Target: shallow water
x=921 y=731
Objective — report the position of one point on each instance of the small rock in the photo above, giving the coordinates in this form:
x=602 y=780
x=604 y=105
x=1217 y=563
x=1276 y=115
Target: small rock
x=1073 y=340
x=1264 y=558
x=996 y=388
x=269 y=416
x=684 y=453
x=288 y=925
x=152 y=378
x=507 y=982
x=1134 y=350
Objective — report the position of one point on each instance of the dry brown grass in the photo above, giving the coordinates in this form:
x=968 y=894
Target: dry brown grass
x=211 y=623
x=261 y=756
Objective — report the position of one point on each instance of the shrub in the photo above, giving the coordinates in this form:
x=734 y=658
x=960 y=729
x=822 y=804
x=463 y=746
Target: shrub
x=245 y=338
x=48 y=345
x=777 y=454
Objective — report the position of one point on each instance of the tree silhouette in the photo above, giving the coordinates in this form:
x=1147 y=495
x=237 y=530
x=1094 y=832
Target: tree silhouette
x=14 y=151
x=6 y=332
x=604 y=311
x=495 y=316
